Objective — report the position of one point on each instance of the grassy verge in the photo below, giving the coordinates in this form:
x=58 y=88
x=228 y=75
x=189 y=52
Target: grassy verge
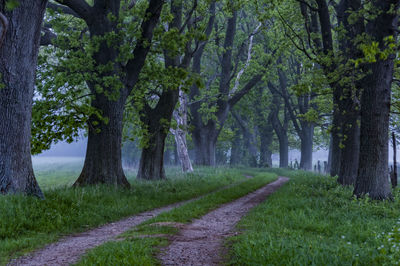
x=27 y=223
x=136 y=250
x=314 y=221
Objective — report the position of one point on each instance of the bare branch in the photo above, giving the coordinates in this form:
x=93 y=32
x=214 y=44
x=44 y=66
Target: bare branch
x=249 y=52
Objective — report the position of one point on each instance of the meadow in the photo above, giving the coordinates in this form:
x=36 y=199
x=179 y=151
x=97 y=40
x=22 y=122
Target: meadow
x=312 y=220
x=27 y=223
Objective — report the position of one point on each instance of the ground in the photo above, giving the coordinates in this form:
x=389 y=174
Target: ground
x=310 y=220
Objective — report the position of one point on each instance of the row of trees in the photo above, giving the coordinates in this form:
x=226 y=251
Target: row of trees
x=262 y=75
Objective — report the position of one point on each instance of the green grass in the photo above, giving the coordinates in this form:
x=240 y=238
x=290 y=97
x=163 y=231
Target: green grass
x=27 y=223
x=140 y=251
x=314 y=221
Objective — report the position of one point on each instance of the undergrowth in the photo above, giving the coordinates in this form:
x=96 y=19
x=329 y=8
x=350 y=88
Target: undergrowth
x=27 y=223
x=314 y=221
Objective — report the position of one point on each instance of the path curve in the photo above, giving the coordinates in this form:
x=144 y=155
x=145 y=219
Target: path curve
x=201 y=242
x=70 y=249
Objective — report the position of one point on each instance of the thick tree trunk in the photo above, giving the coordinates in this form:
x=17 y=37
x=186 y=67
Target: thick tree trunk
x=350 y=148
x=157 y=122
x=306 y=148
x=18 y=59
x=373 y=176
x=235 y=149
x=205 y=146
x=103 y=162
x=266 y=135
x=280 y=131
x=265 y=150
x=373 y=173
x=151 y=166
x=283 y=151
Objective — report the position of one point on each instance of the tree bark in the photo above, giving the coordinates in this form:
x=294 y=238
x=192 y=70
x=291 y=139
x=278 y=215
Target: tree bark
x=18 y=60
x=351 y=145
x=372 y=178
x=266 y=134
x=394 y=174
x=103 y=161
x=235 y=148
x=205 y=145
x=180 y=132
x=280 y=129
x=306 y=147
x=250 y=139
x=151 y=166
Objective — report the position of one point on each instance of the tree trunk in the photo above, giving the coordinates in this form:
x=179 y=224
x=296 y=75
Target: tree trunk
x=235 y=148
x=373 y=177
x=205 y=146
x=394 y=175
x=157 y=122
x=103 y=162
x=18 y=60
x=266 y=135
x=265 y=150
x=373 y=173
x=180 y=139
x=329 y=162
x=350 y=148
x=179 y=133
x=283 y=151
x=335 y=145
x=151 y=166
x=306 y=148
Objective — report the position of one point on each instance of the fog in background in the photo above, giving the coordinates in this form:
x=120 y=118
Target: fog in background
x=64 y=152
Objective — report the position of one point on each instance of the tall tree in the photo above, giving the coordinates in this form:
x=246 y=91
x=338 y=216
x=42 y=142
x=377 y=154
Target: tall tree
x=382 y=27
x=156 y=120
x=111 y=54
x=21 y=28
x=206 y=130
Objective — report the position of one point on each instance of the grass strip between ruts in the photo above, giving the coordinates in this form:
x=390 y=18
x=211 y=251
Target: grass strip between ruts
x=136 y=250
x=27 y=223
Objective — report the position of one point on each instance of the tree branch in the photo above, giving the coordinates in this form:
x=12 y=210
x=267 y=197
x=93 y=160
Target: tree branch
x=81 y=8
x=239 y=94
x=48 y=37
x=134 y=66
x=249 y=53
x=63 y=9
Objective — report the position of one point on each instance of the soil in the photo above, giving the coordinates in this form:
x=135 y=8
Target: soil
x=70 y=249
x=201 y=243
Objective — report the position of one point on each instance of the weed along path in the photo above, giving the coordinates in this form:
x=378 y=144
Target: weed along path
x=70 y=249
x=201 y=242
